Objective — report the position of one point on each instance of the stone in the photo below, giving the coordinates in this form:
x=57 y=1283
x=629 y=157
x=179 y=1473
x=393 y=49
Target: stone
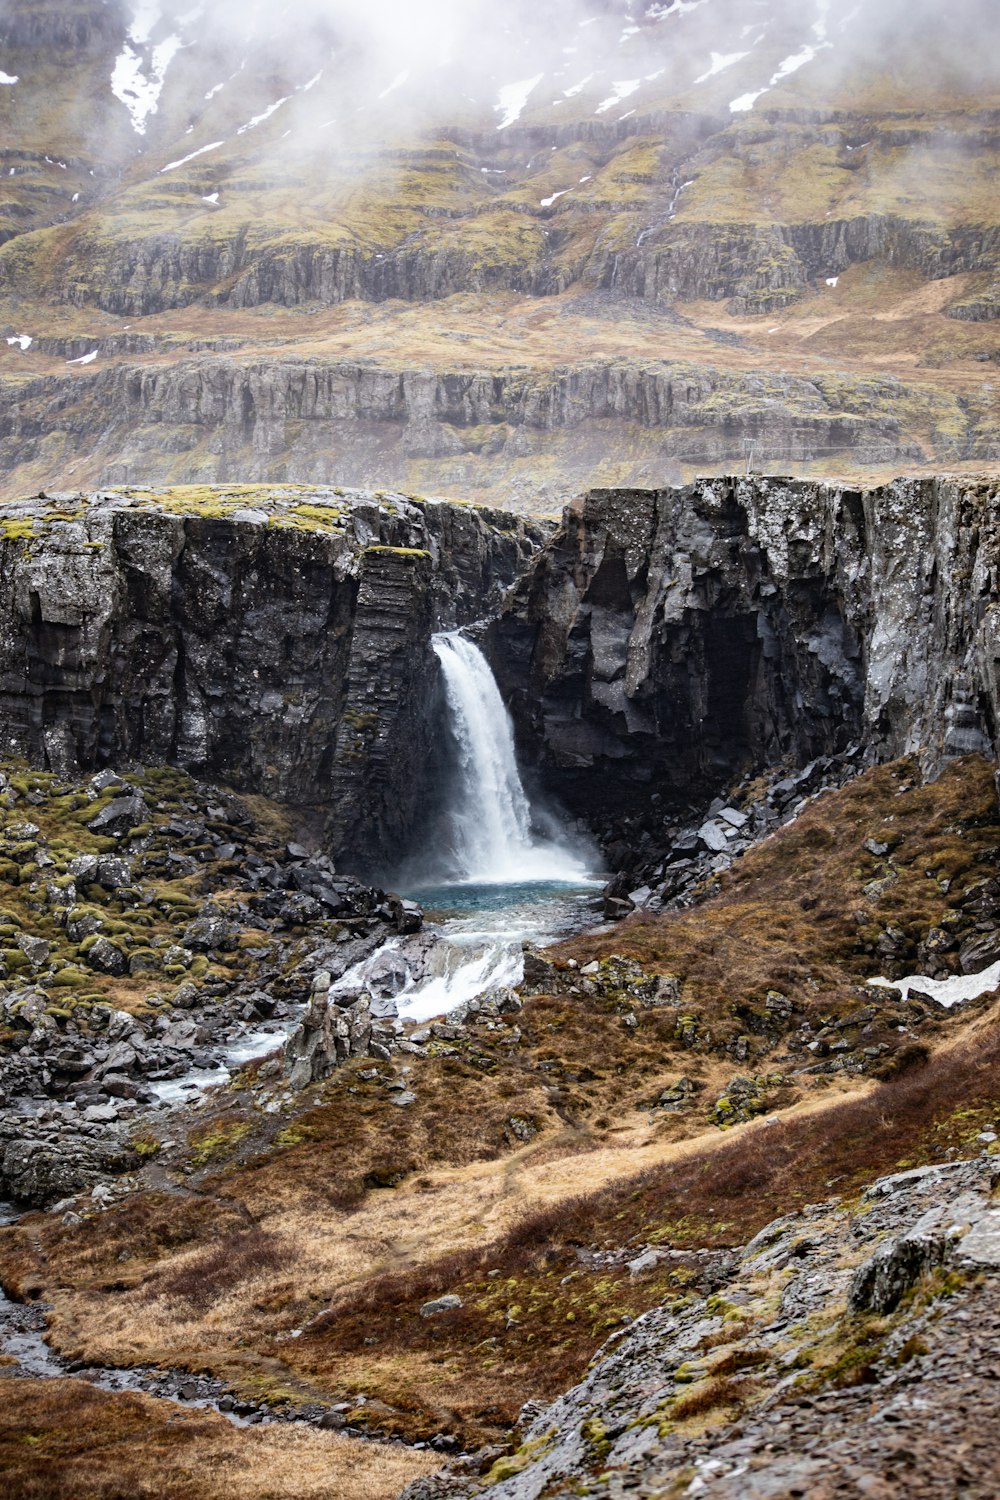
x=713 y=836
x=449 y=1303
x=104 y=780
x=35 y=949
x=120 y=816
x=212 y=934
x=114 y=872
x=84 y=868
x=648 y=1261
x=105 y=956
x=880 y=1283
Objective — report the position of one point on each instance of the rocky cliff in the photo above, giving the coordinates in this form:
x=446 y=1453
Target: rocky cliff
x=671 y=639
x=211 y=416
x=275 y=640
x=659 y=645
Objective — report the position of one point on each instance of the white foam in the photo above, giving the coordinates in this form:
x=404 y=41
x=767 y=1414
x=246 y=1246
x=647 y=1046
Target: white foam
x=513 y=97
x=173 y=165
x=621 y=90
x=948 y=992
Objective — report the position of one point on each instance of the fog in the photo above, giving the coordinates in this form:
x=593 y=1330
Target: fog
x=403 y=65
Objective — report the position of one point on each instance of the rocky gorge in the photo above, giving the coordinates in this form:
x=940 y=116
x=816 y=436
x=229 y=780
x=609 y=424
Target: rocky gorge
x=772 y=703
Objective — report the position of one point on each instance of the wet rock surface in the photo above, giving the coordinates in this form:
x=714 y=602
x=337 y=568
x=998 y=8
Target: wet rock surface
x=163 y=967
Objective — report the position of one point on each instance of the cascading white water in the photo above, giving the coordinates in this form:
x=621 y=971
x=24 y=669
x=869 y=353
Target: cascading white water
x=489 y=814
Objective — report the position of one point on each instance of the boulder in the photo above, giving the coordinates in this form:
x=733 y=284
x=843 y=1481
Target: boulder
x=120 y=815
x=449 y=1303
x=105 y=956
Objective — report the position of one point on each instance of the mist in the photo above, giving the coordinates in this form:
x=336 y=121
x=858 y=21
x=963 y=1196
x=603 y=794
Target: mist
x=338 y=71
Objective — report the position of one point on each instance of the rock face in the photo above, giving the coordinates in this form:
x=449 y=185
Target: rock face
x=666 y=639
x=277 y=645
x=206 y=418
x=923 y=1376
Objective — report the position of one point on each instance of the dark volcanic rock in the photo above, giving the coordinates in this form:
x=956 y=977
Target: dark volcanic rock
x=668 y=640
x=290 y=659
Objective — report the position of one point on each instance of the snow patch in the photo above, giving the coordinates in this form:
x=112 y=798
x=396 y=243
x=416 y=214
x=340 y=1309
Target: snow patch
x=396 y=83
x=947 y=992
x=675 y=8
x=304 y=88
x=622 y=90
x=210 y=198
x=9 y=79
x=265 y=115
x=85 y=359
x=513 y=97
x=215 y=89
x=832 y=280
x=577 y=88
x=173 y=165
x=23 y=341
x=548 y=202
x=139 y=71
x=719 y=61
x=791 y=64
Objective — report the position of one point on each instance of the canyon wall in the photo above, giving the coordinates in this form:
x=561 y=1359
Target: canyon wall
x=657 y=646
x=670 y=640
x=277 y=641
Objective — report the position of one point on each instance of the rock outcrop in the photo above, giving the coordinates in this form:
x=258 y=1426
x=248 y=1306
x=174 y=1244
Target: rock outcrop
x=670 y=639
x=277 y=641
x=821 y=1387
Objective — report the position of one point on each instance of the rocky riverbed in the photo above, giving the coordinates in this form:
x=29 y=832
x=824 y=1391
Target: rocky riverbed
x=155 y=936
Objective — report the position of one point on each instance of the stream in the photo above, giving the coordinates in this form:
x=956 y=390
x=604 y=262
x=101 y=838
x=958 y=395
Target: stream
x=496 y=874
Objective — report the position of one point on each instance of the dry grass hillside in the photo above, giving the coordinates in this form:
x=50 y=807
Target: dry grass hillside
x=719 y=1066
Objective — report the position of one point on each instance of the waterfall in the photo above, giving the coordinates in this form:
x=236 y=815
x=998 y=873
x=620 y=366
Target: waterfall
x=489 y=814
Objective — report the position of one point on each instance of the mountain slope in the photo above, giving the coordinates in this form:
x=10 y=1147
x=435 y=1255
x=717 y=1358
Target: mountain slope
x=333 y=249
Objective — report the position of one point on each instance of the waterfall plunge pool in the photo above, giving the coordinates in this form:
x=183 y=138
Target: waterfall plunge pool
x=474 y=936
x=497 y=872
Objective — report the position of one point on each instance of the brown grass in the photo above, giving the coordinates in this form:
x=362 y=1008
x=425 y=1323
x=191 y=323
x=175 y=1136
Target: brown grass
x=296 y=1232
x=66 y=1440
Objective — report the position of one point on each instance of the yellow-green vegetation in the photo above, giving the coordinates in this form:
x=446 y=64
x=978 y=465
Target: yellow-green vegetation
x=107 y=938
x=215 y=1141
